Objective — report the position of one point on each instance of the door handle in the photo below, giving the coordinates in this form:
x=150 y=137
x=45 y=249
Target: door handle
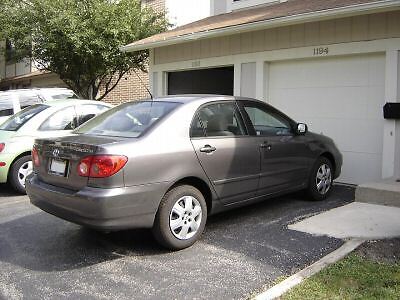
x=266 y=145
x=207 y=149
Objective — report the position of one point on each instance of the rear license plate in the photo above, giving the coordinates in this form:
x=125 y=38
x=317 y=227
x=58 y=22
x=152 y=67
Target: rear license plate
x=58 y=167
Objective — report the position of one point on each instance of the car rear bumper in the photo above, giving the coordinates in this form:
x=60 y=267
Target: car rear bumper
x=105 y=209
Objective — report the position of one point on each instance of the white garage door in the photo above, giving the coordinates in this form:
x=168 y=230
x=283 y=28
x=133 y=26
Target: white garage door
x=341 y=97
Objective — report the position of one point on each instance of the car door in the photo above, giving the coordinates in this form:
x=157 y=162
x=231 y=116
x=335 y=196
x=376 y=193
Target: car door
x=285 y=156
x=221 y=142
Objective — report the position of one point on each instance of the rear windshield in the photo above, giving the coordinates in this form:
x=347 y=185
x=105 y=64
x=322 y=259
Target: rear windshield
x=19 y=119
x=128 y=120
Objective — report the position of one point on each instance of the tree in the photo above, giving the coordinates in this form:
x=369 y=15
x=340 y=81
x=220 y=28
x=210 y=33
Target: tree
x=79 y=39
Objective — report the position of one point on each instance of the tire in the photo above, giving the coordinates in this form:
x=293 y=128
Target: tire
x=320 y=181
x=19 y=170
x=181 y=218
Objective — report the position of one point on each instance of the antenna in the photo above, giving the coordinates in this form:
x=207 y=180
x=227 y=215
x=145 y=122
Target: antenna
x=145 y=86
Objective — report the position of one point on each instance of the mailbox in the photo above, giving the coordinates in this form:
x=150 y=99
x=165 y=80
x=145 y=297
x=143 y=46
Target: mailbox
x=391 y=110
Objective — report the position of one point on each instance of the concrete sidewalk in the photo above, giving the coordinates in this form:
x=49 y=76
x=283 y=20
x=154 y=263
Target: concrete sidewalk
x=354 y=220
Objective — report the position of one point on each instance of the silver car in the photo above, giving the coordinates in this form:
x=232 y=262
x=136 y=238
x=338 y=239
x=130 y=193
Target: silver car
x=170 y=162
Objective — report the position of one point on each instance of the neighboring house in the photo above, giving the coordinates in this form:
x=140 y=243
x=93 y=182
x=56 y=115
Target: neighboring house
x=332 y=64
x=25 y=75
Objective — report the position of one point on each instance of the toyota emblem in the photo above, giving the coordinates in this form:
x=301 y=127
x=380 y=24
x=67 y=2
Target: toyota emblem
x=56 y=152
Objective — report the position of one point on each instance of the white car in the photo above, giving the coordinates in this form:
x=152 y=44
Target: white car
x=12 y=101
x=44 y=120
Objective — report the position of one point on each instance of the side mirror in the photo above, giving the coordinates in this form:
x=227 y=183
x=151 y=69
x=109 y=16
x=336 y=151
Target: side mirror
x=301 y=129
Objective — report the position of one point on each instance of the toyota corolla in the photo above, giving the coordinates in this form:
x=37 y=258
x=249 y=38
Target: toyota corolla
x=169 y=163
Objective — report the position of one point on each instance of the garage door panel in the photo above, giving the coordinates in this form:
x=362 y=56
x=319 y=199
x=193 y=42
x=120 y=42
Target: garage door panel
x=360 y=167
x=324 y=72
x=348 y=135
x=339 y=102
x=341 y=97
x=375 y=99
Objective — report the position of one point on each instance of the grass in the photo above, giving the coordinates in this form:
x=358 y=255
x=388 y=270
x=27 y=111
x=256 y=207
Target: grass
x=351 y=278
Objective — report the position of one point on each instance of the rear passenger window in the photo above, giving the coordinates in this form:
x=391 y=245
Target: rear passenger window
x=6 y=106
x=62 y=120
x=218 y=119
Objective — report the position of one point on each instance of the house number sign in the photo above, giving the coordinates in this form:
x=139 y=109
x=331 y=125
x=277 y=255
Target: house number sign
x=320 y=51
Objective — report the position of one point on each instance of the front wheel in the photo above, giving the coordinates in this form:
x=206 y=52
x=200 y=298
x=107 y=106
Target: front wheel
x=181 y=217
x=20 y=169
x=320 y=181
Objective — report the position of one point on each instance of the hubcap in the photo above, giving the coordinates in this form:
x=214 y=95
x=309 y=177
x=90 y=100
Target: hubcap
x=323 y=179
x=24 y=171
x=185 y=217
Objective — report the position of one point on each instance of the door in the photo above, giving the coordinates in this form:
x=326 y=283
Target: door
x=285 y=157
x=341 y=97
x=204 y=81
x=225 y=151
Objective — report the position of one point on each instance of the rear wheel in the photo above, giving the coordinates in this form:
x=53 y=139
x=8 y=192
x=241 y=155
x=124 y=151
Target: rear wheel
x=320 y=181
x=20 y=169
x=181 y=217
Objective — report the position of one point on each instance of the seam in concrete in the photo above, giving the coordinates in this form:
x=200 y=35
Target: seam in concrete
x=282 y=287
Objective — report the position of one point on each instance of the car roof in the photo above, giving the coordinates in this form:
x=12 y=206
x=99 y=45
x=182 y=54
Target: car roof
x=191 y=97
x=67 y=102
x=35 y=90
x=200 y=98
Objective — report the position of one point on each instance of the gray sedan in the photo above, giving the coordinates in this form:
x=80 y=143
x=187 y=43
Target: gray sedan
x=170 y=162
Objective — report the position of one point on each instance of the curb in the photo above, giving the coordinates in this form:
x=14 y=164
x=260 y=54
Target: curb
x=282 y=287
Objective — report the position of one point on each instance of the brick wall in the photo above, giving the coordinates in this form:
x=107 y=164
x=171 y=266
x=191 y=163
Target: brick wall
x=130 y=88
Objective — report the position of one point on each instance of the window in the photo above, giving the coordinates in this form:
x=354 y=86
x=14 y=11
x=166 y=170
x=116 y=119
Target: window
x=88 y=111
x=267 y=123
x=128 y=120
x=62 y=120
x=19 y=119
x=27 y=99
x=219 y=119
x=10 y=51
x=6 y=105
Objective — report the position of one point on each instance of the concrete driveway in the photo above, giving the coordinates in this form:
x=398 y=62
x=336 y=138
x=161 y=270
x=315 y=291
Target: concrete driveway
x=43 y=257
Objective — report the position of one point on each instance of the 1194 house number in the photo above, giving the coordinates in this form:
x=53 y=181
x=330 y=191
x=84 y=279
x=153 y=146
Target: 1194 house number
x=321 y=51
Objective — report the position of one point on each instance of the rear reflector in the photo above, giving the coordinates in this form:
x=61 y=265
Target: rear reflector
x=2 y=145
x=35 y=157
x=101 y=166
x=2 y=164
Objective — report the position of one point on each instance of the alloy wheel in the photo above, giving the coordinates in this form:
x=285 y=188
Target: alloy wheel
x=323 y=179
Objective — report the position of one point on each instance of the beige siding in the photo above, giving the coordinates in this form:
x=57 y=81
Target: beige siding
x=352 y=29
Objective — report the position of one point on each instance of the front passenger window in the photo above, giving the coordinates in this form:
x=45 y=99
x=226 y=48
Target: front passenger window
x=219 y=119
x=267 y=123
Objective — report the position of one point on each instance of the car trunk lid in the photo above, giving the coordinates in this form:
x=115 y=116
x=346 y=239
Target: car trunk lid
x=59 y=158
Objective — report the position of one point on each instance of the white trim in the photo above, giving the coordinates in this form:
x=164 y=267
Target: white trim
x=237 y=75
x=261 y=71
x=340 y=12
x=389 y=131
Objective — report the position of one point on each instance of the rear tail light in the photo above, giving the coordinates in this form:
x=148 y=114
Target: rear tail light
x=101 y=166
x=35 y=157
x=2 y=146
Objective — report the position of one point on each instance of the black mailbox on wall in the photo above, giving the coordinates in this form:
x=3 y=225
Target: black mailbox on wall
x=391 y=110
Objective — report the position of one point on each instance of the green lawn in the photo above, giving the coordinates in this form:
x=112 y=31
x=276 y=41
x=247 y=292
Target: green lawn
x=351 y=278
